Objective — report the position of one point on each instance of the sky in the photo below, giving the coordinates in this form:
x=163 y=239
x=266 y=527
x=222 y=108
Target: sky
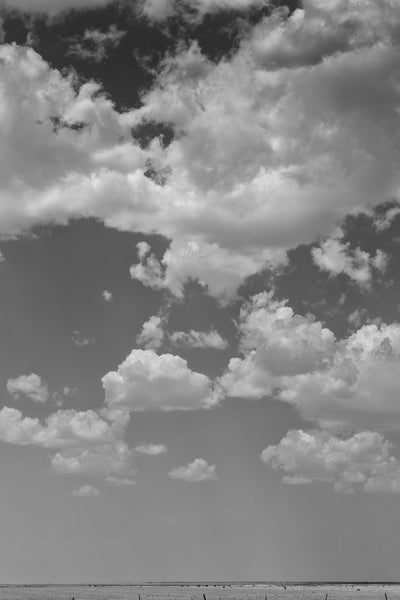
x=200 y=299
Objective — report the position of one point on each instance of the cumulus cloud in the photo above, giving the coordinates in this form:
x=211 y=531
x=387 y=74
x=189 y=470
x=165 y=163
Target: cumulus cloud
x=198 y=470
x=86 y=491
x=62 y=429
x=198 y=339
x=152 y=335
x=247 y=176
x=364 y=461
x=352 y=382
x=28 y=386
x=275 y=343
x=335 y=257
x=148 y=381
x=151 y=449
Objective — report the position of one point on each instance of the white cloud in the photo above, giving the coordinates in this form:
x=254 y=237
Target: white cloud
x=275 y=343
x=151 y=449
x=148 y=381
x=335 y=257
x=364 y=461
x=86 y=491
x=198 y=470
x=29 y=386
x=352 y=382
x=62 y=429
x=152 y=335
x=247 y=176
x=107 y=296
x=198 y=339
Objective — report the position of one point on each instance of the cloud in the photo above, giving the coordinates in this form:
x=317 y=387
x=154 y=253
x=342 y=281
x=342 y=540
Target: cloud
x=86 y=491
x=247 y=176
x=364 y=461
x=148 y=381
x=113 y=462
x=198 y=470
x=95 y=45
x=159 y=10
x=352 y=382
x=28 y=386
x=107 y=296
x=198 y=339
x=152 y=335
x=335 y=257
x=80 y=340
x=151 y=449
x=62 y=429
x=275 y=343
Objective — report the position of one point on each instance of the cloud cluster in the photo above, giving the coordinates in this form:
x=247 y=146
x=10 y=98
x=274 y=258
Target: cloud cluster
x=247 y=175
x=153 y=335
x=351 y=382
x=198 y=470
x=364 y=461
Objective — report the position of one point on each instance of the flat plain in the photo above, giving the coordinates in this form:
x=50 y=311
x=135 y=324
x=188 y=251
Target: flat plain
x=227 y=591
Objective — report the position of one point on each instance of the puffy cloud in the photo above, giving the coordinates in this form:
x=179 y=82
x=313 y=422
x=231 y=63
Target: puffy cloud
x=86 y=491
x=62 y=429
x=198 y=470
x=199 y=339
x=151 y=449
x=352 y=382
x=275 y=343
x=152 y=335
x=148 y=381
x=364 y=461
x=335 y=257
x=107 y=296
x=29 y=386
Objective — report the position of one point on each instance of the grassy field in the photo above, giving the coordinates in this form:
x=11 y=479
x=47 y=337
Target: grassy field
x=204 y=592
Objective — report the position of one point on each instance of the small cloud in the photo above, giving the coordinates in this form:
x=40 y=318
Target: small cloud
x=80 y=340
x=2 y=259
x=95 y=45
x=28 y=386
x=199 y=339
x=198 y=470
x=107 y=296
x=86 y=491
x=120 y=481
x=151 y=449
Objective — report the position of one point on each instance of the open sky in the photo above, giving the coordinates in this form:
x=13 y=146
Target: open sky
x=200 y=290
